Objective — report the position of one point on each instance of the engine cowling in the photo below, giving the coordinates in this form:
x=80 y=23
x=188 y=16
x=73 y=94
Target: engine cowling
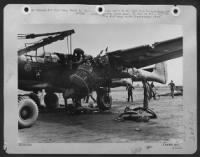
x=84 y=79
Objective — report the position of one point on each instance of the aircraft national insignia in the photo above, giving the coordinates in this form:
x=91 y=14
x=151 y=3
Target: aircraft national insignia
x=27 y=67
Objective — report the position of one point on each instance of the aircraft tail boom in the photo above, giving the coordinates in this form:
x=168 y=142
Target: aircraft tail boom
x=159 y=74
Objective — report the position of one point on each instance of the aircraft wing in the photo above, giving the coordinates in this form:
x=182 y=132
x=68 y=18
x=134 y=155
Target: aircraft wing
x=148 y=54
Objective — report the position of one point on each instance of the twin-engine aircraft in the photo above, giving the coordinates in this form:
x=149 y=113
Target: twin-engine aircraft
x=77 y=74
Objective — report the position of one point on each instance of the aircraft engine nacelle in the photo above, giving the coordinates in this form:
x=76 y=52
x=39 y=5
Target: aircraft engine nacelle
x=85 y=79
x=159 y=74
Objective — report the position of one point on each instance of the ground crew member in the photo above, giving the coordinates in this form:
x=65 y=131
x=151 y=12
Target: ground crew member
x=152 y=90
x=172 y=88
x=130 y=92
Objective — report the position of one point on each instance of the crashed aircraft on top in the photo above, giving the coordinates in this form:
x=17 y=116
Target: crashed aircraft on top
x=77 y=74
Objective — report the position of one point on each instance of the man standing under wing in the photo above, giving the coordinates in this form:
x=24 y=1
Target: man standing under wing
x=130 y=93
x=172 y=88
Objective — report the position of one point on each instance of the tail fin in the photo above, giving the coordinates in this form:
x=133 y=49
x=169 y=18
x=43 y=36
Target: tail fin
x=159 y=73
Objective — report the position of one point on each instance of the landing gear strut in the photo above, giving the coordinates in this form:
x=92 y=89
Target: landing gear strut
x=74 y=107
x=147 y=97
x=104 y=100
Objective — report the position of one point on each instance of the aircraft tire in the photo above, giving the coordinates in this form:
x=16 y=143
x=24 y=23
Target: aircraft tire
x=28 y=112
x=34 y=97
x=51 y=101
x=104 y=102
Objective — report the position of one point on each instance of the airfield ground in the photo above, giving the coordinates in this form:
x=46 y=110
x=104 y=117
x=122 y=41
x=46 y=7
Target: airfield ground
x=60 y=127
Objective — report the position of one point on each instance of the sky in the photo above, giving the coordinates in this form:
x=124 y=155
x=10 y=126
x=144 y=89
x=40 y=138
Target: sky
x=93 y=38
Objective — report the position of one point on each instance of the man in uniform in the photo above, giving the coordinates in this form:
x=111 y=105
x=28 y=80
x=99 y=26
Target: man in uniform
x=130 y=92
x=172 y=88
x=152 y=89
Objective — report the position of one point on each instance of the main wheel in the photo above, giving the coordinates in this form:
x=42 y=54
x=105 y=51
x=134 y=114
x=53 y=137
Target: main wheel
x=28 y=112
x=51 y=101
x=104 y=102
x=34 y=97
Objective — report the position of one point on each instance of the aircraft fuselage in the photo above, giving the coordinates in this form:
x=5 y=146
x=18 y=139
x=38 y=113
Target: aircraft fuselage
x=36 y=75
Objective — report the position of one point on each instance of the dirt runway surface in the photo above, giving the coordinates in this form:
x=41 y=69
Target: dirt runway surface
x=60 y=127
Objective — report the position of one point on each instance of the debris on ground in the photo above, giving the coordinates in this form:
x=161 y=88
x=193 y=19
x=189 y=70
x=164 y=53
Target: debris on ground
x=138 y=114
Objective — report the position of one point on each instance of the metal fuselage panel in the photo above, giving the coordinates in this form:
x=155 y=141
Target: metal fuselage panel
x=34 y=75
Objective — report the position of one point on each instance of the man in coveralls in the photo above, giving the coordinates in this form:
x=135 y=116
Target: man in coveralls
x=130 y=92
x=172 y=88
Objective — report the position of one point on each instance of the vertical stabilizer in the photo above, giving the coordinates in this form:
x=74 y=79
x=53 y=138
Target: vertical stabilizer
x=158 y=74
x=161 y=71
